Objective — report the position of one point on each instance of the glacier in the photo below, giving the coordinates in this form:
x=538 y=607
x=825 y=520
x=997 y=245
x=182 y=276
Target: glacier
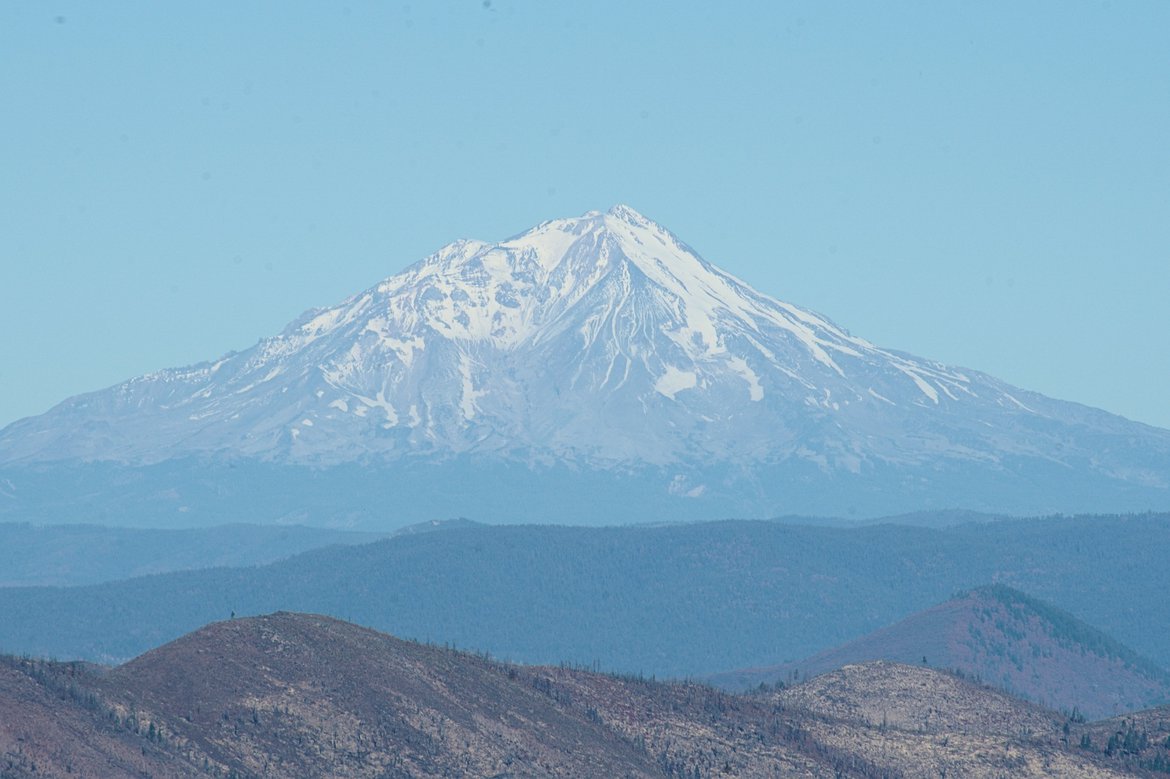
x=603 y=346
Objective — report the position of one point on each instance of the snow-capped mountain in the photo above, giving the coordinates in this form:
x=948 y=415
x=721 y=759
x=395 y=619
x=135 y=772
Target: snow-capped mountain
x=600 y=343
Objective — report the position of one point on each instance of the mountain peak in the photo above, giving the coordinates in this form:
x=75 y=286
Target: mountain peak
x=1008 y=639
x=622 y=211
x=618 y=210
x=601 y=342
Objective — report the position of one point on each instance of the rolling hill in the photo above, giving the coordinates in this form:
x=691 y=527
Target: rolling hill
x=304 y=695
x=68 y=555
x=670 y=600
x=1004 y=638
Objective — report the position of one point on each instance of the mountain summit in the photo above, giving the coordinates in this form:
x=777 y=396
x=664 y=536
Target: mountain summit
x=604 y=344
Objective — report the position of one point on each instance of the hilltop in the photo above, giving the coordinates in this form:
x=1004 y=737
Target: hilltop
x=1005 y=638
x=294 y=694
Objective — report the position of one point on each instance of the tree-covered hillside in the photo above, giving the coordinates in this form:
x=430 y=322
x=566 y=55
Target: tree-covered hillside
x=665 y=600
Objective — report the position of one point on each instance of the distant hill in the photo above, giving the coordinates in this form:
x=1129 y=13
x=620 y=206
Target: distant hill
x=1005 y=638
x=303 y=695
x=671 y=600
x=65 y=555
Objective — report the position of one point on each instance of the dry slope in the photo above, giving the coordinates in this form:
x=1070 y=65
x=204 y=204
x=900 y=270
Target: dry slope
x=303 y=695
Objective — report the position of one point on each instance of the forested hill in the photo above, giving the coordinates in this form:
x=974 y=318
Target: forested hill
x=668 y=600
x=65 y=555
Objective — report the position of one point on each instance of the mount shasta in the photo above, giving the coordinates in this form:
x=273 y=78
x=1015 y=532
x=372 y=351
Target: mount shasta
x=593 y=368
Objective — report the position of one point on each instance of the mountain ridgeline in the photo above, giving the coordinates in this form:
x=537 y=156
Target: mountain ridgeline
x=62 y=555
x=671 y=600
x=305 y=695
x=592 y=369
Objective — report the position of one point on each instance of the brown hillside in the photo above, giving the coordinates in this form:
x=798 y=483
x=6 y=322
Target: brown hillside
x=923 y=722
x=1136 y=741
x=920 y=700
x=292 y=695
x=50 y=726
x=1006 y=639
x=297 y=695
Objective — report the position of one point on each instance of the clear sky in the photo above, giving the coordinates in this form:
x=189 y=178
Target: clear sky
x=985 y=184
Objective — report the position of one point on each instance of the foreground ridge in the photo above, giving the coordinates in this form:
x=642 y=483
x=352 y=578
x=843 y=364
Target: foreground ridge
x=294 y=694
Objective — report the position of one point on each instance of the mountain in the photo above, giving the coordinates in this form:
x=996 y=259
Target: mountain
x=1005 y=638
x=587 y=352
x=304 y=695
x=670 y=600
x=65 y=555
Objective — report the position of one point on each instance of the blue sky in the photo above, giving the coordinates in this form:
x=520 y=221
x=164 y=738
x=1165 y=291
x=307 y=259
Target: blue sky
x=986 y=184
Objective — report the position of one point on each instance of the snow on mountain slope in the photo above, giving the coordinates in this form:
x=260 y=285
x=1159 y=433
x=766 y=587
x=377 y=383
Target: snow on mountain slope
x=600 y=341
